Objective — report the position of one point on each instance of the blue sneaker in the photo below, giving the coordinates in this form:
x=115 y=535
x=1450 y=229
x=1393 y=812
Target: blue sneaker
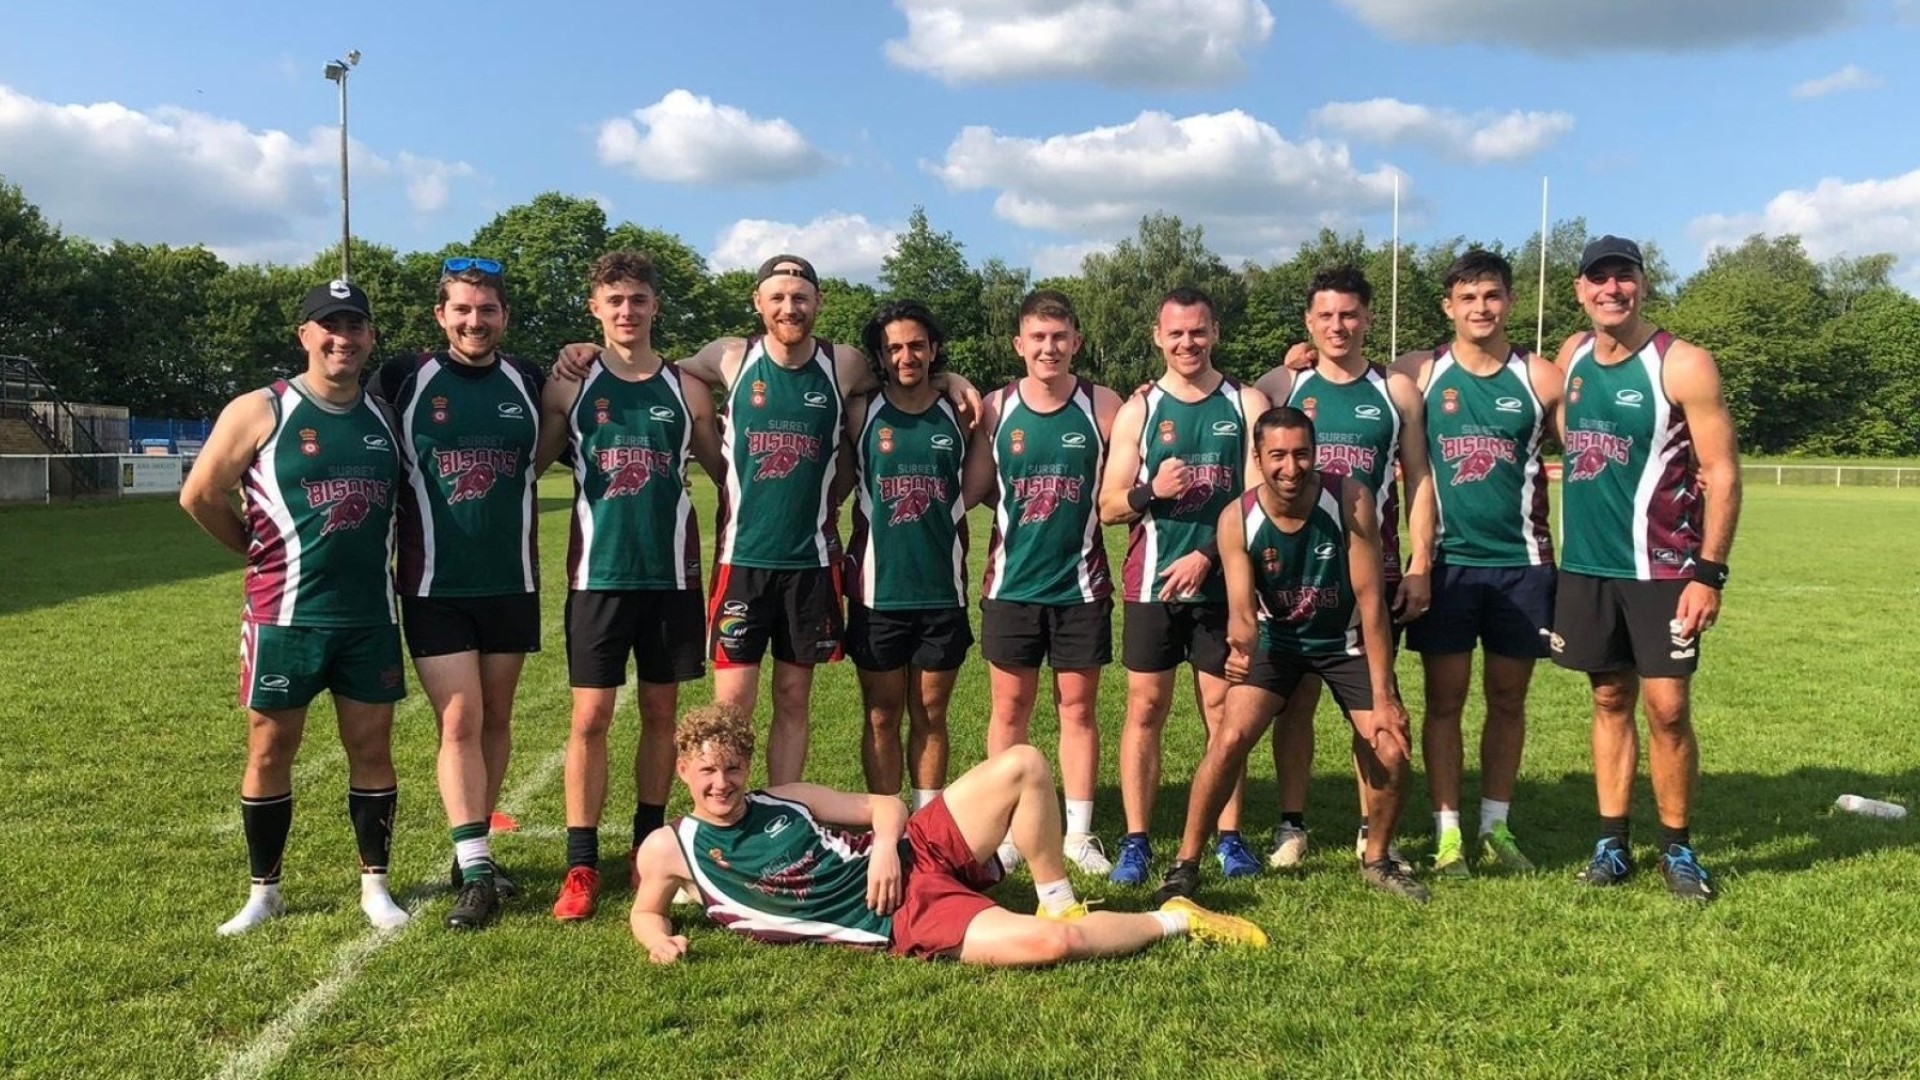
x=1235 y=860
x=1686 y=878
x=1612 y=864
x=1131 y=867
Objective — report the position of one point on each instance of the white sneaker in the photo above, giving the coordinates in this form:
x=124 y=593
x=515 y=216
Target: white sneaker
x=1084 y=850
x=1393 y=853
x=1009 y=857
x=263 y=903
x=1289 y=847
x=377 y=903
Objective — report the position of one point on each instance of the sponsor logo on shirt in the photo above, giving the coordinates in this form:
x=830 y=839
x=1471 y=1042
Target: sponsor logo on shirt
x=814 y=399
x=1074 y=439
x=511 y=410
x=1629 y=398
x=376 y=442
x=1226 y=428
x=663 y=414
x=1367 y=412
x=1507 y=404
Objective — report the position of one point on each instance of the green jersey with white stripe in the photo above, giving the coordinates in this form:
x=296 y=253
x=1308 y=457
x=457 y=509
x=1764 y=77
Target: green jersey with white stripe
x=1483 y=437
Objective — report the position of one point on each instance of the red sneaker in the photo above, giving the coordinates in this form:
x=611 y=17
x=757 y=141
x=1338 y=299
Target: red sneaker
x=578 y=894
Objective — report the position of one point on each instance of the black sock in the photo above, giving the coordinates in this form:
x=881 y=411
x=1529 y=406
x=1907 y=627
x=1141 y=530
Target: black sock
x=1670 y=835
x=583 y=845
x=646 y=818
x=1134 y=836
x=372 y=815
x=1297 y=820
x=266 y=821
x=1229 y=834
x=1614 y=828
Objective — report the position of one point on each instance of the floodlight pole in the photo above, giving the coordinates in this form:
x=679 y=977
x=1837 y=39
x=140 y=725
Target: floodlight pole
x=337 y=72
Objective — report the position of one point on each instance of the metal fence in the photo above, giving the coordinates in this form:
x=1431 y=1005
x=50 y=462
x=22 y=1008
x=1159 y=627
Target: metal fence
x=1888 y=476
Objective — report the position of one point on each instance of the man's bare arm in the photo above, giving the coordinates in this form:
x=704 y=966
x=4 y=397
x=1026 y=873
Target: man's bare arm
x=230 y=448
x=663 y=870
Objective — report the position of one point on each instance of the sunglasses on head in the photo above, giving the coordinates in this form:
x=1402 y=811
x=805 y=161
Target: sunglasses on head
x=458 y=265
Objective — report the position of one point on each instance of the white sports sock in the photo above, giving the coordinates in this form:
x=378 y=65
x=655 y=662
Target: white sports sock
x=1009 y=855
x=1056 y=897
x=1492 y=812
x=923 y=796
x=377 y=903
x=1079 y=816
x=263 y=903
x=1444 y=820
x=470 y=852
x=1172 y=923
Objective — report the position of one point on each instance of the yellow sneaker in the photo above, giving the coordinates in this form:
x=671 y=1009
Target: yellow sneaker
x=1077 y=911
x=1215 y=928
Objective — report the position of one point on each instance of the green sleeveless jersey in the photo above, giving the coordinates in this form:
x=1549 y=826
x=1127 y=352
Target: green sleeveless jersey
x=780 y=436
x=1210 y=436
x=319 y=511
x=633 y=525
x=468 y=513
x=1357 y=429
x=1300 y=578
x=1483 y=437
x=1630 y=497
x=909 y=543
x=1046 y=546
x=779 y=876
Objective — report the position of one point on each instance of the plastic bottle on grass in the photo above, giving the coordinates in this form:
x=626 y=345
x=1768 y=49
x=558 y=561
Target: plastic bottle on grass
x=1855 y=804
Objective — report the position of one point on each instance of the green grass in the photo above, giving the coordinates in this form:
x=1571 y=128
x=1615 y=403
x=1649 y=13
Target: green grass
x=118 y=855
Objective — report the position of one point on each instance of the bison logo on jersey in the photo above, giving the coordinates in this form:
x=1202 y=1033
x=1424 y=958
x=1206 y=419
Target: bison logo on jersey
x=628 y=479
x=911 y=496
x=1474 y=456
x=1473 y=468
x=1040 y=496
x=628 y=468
x=348 y=501
x=777 y=464
x=780 y=452
x=912 y=507
x=473 y=470
x=472 y=484
x=1590 y=451
x=349 y=513
x=1206 y=481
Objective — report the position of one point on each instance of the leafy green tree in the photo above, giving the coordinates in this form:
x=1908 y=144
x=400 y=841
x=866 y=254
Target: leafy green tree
x=987 y=356
x=39 y=280
x=1122 y=290
x=845 y=307
x=1875 y=353
x=547 y=246
x=931 y=267
x=692 y=307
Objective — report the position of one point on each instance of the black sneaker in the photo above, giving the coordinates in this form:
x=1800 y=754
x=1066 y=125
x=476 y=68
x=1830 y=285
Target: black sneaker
x=502 y=884
x=1181 y=879
x=1611 y=864
x=1390 y=876
x=475 y=907
x=1686 y=878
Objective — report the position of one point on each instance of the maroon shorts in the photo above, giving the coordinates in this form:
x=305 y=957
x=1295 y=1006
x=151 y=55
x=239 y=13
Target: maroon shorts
x=943 y=886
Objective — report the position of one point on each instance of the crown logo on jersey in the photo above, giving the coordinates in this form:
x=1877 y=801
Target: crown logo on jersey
x=439 y=410
x=759 y=393
x=309 y=441
x=1310 y=406
x=600 y=413
x=1573 y=395
x=1166 y=431
x=1450 y=401
x=886 y=440
x=1271 y=560
x=1017 y=442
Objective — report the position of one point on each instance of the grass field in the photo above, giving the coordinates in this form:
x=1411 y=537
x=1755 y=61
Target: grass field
x=120 y=852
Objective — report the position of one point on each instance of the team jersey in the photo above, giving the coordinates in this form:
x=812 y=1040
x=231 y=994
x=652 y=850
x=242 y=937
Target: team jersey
x=909 y=544
x=779 y=876
x=633 y=525
x=468 y=513
x=1483 y=437
x=779 y=437
x=1300 y=578
x=1046 y=546
x=1210 y=436
x=1630 y=498
x=319 y=501
x=1357 y=429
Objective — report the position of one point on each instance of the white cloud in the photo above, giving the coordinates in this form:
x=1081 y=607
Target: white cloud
x=1228 y=171
x=1481 y=137
x=1851 y=77
x=689 y=139
x=175 y=176
x=837 y=244
x=1063 y=260
x=1159 y=43
x=1565 y=29
x=1835 y=217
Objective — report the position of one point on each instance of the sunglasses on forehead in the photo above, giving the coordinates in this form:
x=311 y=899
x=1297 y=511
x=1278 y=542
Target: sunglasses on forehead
x=460 y=264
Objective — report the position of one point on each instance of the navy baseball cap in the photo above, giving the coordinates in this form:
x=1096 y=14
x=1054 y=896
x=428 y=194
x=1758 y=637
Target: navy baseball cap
x=1611 y=247
x=332 y=298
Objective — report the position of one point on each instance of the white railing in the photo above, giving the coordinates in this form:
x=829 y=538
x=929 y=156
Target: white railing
x=45 y=478
x=1890 y=476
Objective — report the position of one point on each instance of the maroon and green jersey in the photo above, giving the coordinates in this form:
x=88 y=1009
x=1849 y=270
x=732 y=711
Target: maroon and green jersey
x=1300 y=578
x=1630 y=495
x=1483 y=437
x=632 y=522
x=1046 y=546
x=908 y=550
x=468 y=512
x=778 y=875
x=1357 y=429
x=319 y=501
x=1210 y=436
x=779 y=437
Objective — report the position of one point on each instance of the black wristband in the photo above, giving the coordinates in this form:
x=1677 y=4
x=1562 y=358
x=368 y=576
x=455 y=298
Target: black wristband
x=1139 y=497
x=1709 y=573
x=1211 y=549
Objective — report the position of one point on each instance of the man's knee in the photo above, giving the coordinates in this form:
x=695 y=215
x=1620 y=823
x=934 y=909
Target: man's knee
x=1613 y=696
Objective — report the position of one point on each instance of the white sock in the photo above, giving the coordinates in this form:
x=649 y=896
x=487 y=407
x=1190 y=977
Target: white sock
x=469 y=852
x=263 y=903
x=1079 y=817
x=1444 y=820
x=1172 y=923
x=1056 y=897
x=923 y=796
x=1009 y=855
x=1492 y=812
x=378 y=903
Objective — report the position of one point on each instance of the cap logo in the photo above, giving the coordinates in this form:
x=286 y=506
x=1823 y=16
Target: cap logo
x=339 y=290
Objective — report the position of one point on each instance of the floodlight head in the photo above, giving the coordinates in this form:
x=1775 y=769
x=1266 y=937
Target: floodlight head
x=353 y=58
x=336 y=71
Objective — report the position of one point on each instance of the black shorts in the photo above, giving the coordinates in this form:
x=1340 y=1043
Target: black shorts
x=797 y=610
x=1066 y=638
x=442 y=626
x=1157 y=637
x=929 y=639
x=664 y=630
x=1279 y=672
x=1620 y=624
x=1507 y=609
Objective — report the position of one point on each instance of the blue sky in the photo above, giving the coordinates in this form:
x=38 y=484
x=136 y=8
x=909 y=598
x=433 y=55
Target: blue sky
x=1035 y=130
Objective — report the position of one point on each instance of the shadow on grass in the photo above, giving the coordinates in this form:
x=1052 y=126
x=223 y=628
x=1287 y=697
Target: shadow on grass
x=54 y=554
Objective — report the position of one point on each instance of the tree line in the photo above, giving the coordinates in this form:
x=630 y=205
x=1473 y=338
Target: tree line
x=1818 y=358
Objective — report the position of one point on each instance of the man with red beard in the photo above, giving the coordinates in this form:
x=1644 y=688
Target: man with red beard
x=1180 y=454
x=1649 y=503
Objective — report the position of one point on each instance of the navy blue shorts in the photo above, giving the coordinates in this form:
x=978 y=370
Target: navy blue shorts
x=1506 y=609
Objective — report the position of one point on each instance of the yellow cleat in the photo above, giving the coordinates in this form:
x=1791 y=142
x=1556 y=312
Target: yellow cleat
x=1216 y=929
x=1077 y=911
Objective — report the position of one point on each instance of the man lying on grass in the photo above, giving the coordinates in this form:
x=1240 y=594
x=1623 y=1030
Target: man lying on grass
x=800 y=862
